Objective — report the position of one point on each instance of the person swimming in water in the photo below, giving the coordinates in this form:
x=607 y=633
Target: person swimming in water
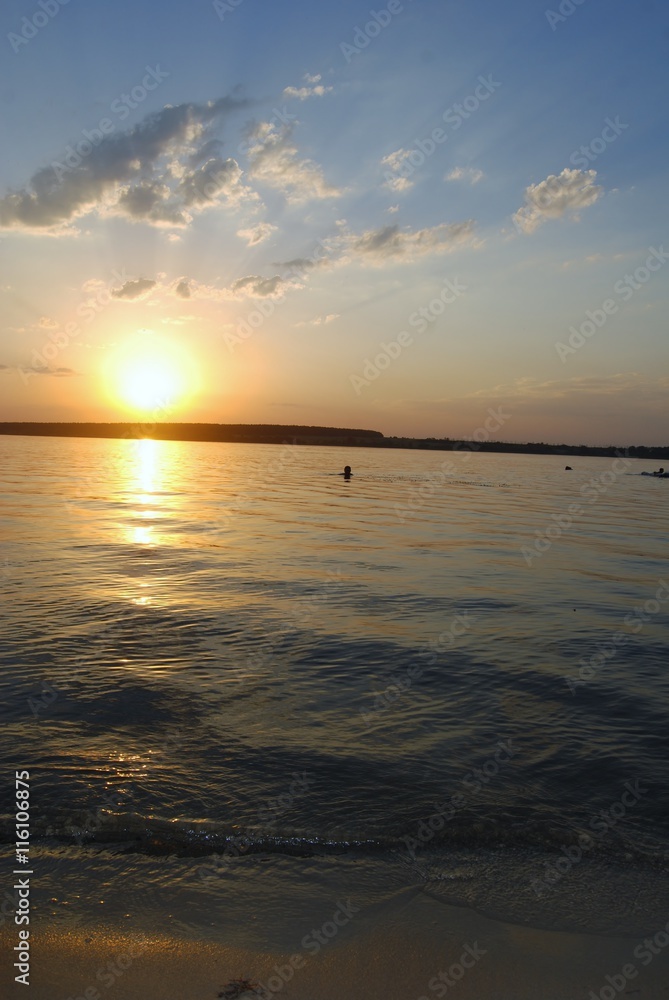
x=660 y=472
x=347 y=472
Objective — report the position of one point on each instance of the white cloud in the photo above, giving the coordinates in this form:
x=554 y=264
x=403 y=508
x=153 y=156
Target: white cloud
x=319 y=320
x=274 y=160
x=314 y=89
x=257 y=234
x=568 y=192
x=248 y=287
x=469 y=174
x=396 y=162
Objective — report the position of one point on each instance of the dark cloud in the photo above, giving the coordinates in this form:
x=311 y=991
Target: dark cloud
x=122 y=173
x=137 y=289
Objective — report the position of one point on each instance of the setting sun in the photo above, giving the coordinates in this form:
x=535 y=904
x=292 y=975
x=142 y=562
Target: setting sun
x=150 y=385
x=154 y=377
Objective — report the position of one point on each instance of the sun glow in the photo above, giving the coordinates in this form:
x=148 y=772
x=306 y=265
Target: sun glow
x=153 y=377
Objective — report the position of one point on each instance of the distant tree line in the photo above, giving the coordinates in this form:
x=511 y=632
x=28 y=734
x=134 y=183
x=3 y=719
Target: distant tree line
x=297 y=434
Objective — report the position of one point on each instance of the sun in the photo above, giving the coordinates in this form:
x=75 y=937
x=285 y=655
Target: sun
x=150 y=384
x=151 y=376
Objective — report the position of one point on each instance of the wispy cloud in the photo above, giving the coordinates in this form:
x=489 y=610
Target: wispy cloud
x=250 y=286
x=319 y=320
x=566 y=193
x=28 y=370
x=313 y=88
x=274 y=160
x=469 y=174
x=390 y=244
x=257 y=234
x=396 y=161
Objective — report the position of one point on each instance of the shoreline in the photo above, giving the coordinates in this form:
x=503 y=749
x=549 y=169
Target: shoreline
x=276 y=434
x=412 y=950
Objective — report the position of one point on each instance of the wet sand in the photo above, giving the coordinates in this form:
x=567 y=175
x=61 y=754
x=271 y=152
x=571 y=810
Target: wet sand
x=425 y=949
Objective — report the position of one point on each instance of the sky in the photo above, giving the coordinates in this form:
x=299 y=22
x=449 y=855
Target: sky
x=419 y=217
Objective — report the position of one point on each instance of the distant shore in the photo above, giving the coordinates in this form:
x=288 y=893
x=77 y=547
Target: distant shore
x=296 y=434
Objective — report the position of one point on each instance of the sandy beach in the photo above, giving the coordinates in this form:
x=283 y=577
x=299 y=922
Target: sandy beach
x=413 y=950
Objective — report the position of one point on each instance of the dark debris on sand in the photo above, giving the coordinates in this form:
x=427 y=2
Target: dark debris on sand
x=237 y=988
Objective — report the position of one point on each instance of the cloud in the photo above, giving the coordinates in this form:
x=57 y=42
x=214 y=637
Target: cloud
x=470 y=174
x=273 y=160
x=182 y=289
x=254 y=285
x=316 y=89
x=138 y=289
x=525 y=390
x=568 y=192
x=212 y=179
x=28 y=370
x=250 y=286
x=395 y=162
x=319 y=320
x=145 y=174
x=257 y=234
x=390 y=244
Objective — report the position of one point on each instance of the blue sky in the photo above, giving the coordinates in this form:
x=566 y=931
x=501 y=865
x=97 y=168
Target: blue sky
x=269 y=212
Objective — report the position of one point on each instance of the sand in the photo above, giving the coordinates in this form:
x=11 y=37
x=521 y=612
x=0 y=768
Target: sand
x=397 y=955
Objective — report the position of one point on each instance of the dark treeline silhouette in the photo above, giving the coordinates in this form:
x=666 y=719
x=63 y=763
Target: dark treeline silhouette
x=530 y=448
x=246 y=433
x=296 y=434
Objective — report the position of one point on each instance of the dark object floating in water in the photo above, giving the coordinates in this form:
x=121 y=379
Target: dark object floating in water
x=237 y=988
x=568 y=468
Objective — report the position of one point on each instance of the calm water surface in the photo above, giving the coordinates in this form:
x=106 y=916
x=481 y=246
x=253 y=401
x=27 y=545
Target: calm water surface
x=218 y=657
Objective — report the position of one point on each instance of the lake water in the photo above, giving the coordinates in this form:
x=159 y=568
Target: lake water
x=238 y=681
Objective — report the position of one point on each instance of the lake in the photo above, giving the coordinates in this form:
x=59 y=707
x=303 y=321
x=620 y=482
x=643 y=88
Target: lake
x=242 y=684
